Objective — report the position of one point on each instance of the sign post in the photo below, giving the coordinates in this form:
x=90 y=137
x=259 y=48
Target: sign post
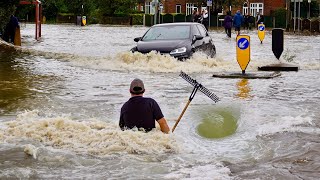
x=277 y=42
x=261 y=32
x=243 y=51
x=84 y=21
x=277 y=49
x=309 y=1
x=155 y=3
x=209 y=4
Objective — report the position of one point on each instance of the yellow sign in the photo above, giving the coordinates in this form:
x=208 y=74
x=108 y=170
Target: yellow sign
x=17 y=37
x=261 y=32
x=243 y=51
x=84 y=20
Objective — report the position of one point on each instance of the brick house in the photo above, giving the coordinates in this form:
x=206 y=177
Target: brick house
x=265 y=7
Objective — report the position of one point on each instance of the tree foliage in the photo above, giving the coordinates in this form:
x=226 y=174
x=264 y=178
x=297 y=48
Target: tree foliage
x=7 y=8
x=115 y=7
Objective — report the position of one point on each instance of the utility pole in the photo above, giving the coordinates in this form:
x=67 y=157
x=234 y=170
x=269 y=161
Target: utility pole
x=299 y=17
x=155 y=2
x=288 y=19
x=309 y=1
x=294 y=17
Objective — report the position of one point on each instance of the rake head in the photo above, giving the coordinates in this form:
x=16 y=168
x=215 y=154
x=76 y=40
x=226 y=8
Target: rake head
x=201 y=88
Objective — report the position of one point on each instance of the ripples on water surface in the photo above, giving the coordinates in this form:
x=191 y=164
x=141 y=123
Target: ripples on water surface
x=60 y=100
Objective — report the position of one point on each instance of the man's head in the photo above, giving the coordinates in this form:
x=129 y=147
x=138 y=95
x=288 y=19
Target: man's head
x=137 y=87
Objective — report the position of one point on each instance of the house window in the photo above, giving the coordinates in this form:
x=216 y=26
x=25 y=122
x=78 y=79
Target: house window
x=139 y=7
x=256 y=7
x=245 y=9
x=149 y=9
x=190 y=7
x=178 y=8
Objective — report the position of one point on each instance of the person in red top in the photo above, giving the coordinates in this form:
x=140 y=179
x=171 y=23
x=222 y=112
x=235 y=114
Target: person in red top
x=141 y=112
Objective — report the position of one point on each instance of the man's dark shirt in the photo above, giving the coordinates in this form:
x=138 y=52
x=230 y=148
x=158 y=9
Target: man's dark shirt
x=140 y=112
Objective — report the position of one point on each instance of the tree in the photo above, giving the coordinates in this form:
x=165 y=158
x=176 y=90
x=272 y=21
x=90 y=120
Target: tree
x=115 y=7
x=7 y=8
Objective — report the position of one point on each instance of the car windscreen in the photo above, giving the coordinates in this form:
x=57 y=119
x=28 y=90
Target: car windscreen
x=167 y=32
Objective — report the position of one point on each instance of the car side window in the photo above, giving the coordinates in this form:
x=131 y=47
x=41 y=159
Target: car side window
x=202 y=30
x=195 y=31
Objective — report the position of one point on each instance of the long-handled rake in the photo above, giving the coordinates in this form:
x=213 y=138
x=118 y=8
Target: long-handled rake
x=197 y=86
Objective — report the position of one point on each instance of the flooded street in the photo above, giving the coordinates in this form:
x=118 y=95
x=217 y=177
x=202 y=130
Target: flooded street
x=60 y=101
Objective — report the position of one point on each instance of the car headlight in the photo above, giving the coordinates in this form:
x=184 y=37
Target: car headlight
x=178 y=51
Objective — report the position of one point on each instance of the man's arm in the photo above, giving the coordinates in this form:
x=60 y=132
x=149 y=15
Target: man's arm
x=163 y=125
x=121 y=122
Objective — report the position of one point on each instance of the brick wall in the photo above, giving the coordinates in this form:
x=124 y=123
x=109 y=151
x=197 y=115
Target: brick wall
x=170 y=5
x=271 y=5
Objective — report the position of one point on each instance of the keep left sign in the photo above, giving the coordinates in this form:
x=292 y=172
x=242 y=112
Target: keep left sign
x=243 y=51
x=261 y=32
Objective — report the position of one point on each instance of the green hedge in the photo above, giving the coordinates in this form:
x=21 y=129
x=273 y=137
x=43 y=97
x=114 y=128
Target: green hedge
x=137 y=19
x=149 y=19
x=179 y=18
x=6 y=9
x=280 y=17
x=268 y=21
x=166 y=18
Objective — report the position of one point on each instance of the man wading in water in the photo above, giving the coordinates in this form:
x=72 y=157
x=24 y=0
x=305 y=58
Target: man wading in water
x=141 y=112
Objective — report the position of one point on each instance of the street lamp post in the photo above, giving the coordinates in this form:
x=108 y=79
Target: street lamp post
x=299 y=16
x=309 y=1
x=294 y=17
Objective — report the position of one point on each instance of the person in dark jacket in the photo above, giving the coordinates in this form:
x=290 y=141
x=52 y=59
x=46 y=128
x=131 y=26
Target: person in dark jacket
x=250 y=21
x=228 y=24
x=194 y=14
x=197 y=17
x=205 y=19
x=11 y=29
x=260 y=19
x=246 y=21
x=141 y=112
x=237 y=22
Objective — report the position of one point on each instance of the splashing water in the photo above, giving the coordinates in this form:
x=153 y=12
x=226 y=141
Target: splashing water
x=90 y=136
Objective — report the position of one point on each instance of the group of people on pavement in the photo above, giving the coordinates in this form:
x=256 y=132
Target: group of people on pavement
x=202 y=18
x=239 y=20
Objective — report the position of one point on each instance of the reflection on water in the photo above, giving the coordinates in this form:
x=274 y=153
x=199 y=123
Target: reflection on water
x=243 y=89
x=14 y=85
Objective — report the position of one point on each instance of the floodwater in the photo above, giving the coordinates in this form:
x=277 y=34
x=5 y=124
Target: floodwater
x=60 y=100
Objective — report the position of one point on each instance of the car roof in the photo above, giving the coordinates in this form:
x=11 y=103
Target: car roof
x=175 y=24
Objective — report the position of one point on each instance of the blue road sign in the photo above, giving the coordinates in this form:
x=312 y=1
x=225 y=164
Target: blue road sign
x=243 y=43
x=261 y=28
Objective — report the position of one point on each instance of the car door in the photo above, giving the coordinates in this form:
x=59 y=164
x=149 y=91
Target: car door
x=197 y=44
x=206 y=41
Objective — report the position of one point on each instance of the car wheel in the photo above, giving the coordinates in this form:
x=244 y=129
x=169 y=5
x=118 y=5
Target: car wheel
x=134 y=49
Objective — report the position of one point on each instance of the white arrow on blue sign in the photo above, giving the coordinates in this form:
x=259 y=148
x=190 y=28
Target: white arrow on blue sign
x=261 y=28
x=243 y=43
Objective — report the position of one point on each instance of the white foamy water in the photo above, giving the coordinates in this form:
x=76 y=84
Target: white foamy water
x=90 y=136
x=64 y=93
